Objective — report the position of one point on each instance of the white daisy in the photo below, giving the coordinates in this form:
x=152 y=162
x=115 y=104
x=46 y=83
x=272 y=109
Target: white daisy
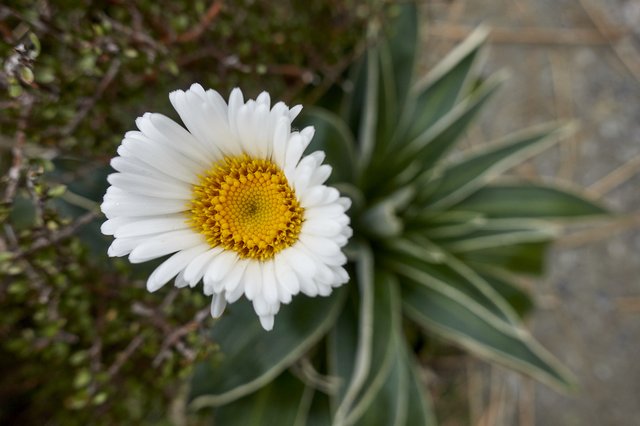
x=232 y=199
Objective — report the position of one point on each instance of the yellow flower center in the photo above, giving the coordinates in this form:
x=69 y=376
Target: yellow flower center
x=246 y=205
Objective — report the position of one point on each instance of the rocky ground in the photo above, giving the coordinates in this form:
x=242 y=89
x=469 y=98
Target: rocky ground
x=568 y=60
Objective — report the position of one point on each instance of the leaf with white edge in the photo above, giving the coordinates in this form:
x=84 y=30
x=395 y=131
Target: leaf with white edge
x=416 y=158
x=252 y=357
x=529 y=200
x=445 y=84
x=496 y=234
x=519 y=299
x=397 y=58
x=390 y=403
x=334 y=138
x=453 y=275
x=450 y=315
x=463 y=177
x=346 y=347
x=267 y=406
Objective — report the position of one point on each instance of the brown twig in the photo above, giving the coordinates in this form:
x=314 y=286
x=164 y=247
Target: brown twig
x=174 y=337
x=88 y=103
x=196 y=32
x=58 y=236
x=13 y=176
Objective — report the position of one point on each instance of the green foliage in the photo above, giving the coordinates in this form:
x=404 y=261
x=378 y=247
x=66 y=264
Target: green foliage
x=81 y=340
x=436 y=250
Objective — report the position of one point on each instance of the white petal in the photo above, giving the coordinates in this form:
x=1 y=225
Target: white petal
x=269 y=284
x=164 y=244
x=221 y=265
x=150 y=187
x=234 y=277
x=141 y=206
x=218 y=303
x=319 y=245
x=180 y=282
x=152 y=226
x=112 y=225
x=280 y=139
x=123 y=246
x=172 y=266
x=287 y=279
x=252 y=280
x=294 y=111
x=321 y=228
x=196 y=269
x=298 y=260
x=267 y=322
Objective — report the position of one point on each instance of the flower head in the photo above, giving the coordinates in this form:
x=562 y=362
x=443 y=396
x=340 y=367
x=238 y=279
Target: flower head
x=232 y=199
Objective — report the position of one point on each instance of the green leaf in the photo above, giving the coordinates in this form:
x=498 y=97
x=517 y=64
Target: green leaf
x=320 y=411
x=452 y=274
x=515 y=295
x=463 y=177
x=417 y=157
x=334 y=138
x=402 y=39
x=284 y=401
x=419 y=408
x=445 y=84
x=252 y=357
x=349 y=350
x=390 y=403
x=529 y=200
x=525 y=258
x=367 y=136
x=498 y=233
x=453 y=317
x=397 y=58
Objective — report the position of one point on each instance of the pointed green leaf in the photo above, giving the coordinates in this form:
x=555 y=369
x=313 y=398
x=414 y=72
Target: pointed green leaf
x=451 y=315
x=452 y=274
x=529 y=200
x=525 y=258
x=463 y=177
x=390 y=403
x=445 y=84
x=402 y=37
x=515 y=295
x=418 y=157
x=494 y=234
x=346 y=347
x=252 y=357
x=397 y=57
x=334 y=138
x=419 y=407
x=284 y=401
x=320 y=411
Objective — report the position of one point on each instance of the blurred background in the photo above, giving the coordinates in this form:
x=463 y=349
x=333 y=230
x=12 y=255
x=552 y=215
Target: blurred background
x=75 y=75
x=568 y=60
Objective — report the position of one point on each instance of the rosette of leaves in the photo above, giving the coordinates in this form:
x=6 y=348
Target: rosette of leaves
x=436 y=247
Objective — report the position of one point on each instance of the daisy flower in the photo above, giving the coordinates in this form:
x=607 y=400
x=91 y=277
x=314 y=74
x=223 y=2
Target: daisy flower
x=233 y=201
